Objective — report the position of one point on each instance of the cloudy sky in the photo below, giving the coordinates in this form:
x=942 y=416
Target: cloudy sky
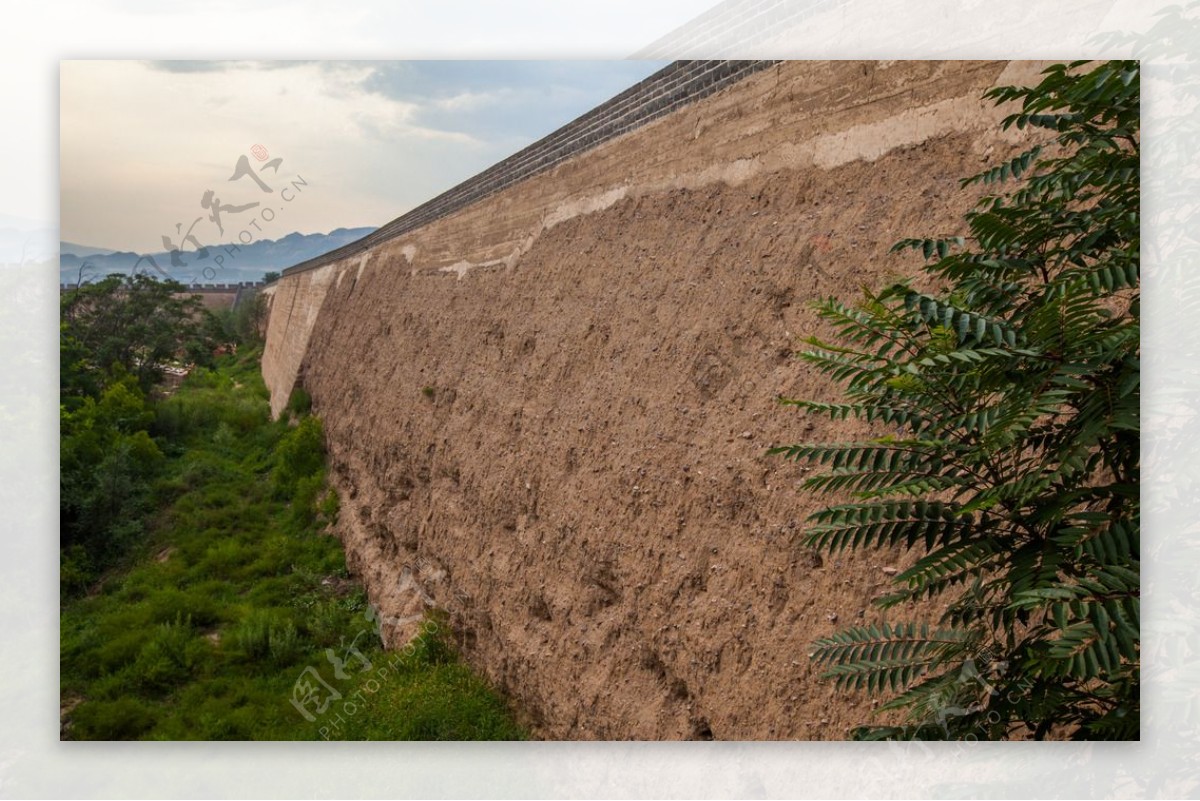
x=149 y=148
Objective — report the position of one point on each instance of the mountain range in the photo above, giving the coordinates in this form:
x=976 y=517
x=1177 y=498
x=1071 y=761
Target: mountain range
x=221 y=264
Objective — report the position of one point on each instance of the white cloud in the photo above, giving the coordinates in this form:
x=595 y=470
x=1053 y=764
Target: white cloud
x=140 y=145
x=472 y=101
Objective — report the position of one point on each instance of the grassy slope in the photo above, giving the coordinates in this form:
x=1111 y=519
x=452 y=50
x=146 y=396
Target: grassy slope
x=205 y=633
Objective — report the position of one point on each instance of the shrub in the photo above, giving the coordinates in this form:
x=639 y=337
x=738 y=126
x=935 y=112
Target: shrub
x=300 y=454
x=1013 y=398
x=75 y=571
x=108 y=463
x=120 y=719
x=265 y=638
x=299 y=403
x=251 y=638
x=111 y=653
x=188 y=414
x=243 y=323
x=170 y=657
x=330 y=506
x=225 y=559
x=284 y=643
x=168 y=604
x=327 y=623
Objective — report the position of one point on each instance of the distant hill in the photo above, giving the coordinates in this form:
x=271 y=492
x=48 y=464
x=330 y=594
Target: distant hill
x=76 y=249
x=237 y=262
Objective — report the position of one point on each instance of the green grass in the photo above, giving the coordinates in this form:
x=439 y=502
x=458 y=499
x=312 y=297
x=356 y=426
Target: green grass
x=237 y=593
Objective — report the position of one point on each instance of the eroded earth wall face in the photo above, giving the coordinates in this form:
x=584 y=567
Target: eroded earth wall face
x=547 y=414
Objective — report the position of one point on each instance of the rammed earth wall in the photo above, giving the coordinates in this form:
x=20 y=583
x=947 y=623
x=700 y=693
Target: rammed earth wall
x=548 y=393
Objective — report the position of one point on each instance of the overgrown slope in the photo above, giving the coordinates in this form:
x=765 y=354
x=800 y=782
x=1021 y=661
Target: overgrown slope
x=222 y=619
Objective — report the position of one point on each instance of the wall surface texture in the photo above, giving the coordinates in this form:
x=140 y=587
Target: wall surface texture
x=547 y=408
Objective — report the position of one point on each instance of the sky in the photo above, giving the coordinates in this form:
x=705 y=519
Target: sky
x=153 y=150
x=42 y=34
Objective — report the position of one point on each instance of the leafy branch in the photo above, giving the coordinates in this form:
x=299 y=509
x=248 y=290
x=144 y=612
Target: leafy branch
x=1012 y=469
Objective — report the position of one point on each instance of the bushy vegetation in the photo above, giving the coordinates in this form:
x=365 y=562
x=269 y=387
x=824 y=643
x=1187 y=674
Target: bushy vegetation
x=1011 y=396
x=116 y=336
x=199 y=583
x=129 y=325
x=244 y=322
x=299 y=402
x=108 y=461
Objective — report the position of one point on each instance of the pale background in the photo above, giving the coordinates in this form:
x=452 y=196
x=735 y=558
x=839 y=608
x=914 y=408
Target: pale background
x=37 y=36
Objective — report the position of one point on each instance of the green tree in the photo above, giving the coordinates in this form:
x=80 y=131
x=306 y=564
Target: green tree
x=1011 y=396
x=137 y=323
x=114 y=338
x=107 y=461
x=247 y=318
x=242 y=323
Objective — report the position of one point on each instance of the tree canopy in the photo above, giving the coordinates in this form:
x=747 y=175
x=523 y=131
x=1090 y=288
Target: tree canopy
x=115 y=337
x=137 y=323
